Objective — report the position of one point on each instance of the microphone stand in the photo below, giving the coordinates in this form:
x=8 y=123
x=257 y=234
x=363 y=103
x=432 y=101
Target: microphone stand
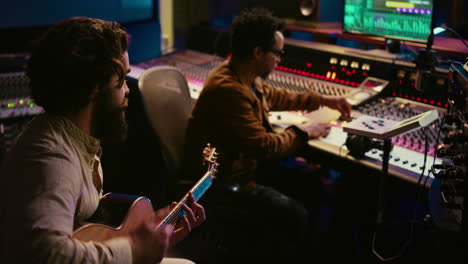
x=387 y=147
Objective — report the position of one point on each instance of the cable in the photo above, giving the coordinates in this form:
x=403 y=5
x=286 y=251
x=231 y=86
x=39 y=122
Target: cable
x=405 y=245
x=456 y=34
x=449 y=61
x=438 y=138
x=420 y=187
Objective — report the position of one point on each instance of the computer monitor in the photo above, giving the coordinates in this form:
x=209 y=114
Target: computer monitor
x=409 y=20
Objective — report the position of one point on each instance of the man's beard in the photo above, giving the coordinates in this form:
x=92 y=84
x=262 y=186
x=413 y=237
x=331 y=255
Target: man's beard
x=109 y=122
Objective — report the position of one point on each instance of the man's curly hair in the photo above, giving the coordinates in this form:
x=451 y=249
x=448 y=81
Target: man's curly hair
x=252 y=28
x=74 y=58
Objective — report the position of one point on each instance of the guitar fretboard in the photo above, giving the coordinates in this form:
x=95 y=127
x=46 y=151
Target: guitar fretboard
x=198 y=190
x=202 y=188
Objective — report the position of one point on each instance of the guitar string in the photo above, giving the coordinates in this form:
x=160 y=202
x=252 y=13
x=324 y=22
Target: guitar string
x=174 y=216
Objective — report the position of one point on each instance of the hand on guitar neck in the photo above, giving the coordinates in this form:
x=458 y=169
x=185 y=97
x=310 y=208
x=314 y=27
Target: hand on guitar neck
x=150 y=233
x=150 y=242
x=193 y=217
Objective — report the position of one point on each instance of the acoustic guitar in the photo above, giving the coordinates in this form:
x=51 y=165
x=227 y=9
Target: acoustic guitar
x=136 y=210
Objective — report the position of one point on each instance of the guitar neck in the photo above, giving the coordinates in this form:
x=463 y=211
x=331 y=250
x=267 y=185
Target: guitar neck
x=198 y=190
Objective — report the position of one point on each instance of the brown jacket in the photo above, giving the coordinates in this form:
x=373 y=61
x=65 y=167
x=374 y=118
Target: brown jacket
x=234 y=120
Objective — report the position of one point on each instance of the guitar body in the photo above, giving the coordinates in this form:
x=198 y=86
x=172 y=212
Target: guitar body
x=140 y=210
x=119 y=214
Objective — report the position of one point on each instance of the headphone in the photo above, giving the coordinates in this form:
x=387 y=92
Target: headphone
x=359 y=145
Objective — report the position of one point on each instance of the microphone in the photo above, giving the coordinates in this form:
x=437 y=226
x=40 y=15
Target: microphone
x=418 y=82
x=425 y=63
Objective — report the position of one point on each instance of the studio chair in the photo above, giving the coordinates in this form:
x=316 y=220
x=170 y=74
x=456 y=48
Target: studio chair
x=167 y=102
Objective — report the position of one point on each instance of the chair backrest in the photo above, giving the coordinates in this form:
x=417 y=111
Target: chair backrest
x=166 y=98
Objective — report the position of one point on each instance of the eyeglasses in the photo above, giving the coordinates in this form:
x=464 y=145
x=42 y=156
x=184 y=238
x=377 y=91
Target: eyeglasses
x=278 y=53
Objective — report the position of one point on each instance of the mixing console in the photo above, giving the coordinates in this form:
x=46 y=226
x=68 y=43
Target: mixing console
x=327 y=69
x=351 y=67
x=407 y=156
x=193 y=64
x=399 y=109
x=408 y=152
x=409 y=148
x=301 y=83
x=16 y=107
x=196 y=65
x=15 y=97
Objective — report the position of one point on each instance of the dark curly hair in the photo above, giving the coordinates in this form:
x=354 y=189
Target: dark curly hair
x=252 y=28
x=72 y=59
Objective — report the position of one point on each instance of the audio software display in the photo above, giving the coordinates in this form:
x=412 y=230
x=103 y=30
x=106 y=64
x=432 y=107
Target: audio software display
x=400 y=19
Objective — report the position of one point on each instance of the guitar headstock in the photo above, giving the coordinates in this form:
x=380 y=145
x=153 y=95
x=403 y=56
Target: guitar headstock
x=209 y=156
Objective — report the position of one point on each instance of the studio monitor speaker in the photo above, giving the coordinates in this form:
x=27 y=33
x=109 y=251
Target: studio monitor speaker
x=296 y=10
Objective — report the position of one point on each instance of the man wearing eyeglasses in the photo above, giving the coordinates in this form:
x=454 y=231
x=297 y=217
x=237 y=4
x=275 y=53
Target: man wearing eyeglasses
x=231 y=113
